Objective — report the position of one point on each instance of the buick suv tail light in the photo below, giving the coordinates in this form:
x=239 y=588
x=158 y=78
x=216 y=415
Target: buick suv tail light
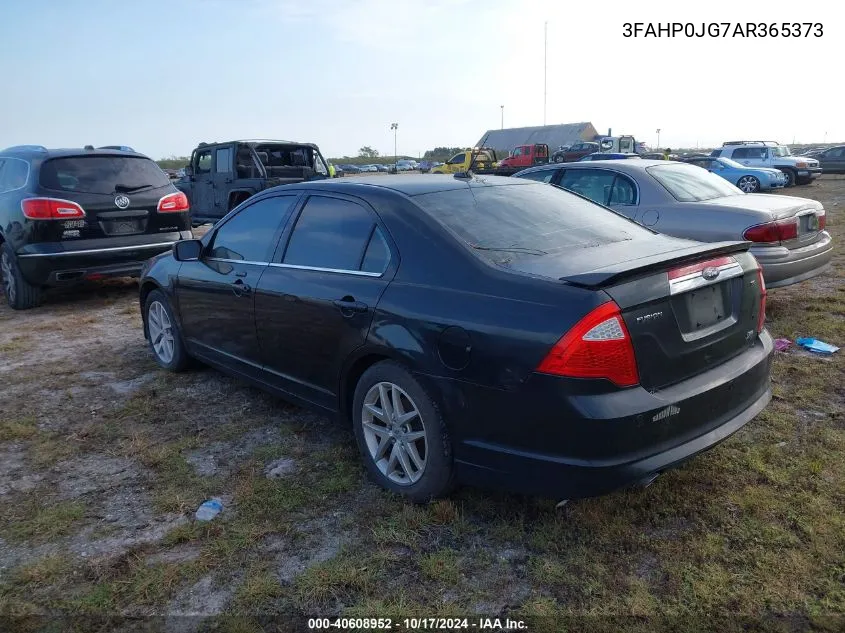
x=174 y=203
x=51 y=209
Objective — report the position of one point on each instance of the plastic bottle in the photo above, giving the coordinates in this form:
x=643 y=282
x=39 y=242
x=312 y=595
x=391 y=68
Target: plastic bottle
x=209 y=509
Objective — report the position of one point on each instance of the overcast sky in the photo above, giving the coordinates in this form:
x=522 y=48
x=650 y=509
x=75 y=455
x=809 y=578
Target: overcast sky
x=162 y=76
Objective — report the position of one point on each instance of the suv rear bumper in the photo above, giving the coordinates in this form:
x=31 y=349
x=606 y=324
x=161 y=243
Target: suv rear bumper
x=59 y=263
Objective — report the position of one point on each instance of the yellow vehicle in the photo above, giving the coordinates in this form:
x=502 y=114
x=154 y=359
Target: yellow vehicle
x=485 y=158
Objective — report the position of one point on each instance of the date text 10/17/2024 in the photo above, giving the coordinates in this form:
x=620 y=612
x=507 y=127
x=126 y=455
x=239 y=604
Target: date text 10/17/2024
x=417 y=624
x=722 y=29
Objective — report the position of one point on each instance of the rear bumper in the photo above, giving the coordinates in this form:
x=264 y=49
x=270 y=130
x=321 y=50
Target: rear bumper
x=60 y=263
x=566 y=447
x=783 y=266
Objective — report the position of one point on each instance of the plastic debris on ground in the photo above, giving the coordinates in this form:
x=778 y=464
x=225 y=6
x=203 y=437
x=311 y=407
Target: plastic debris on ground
x=782 y=344
x=209 y=509
x=817 y=346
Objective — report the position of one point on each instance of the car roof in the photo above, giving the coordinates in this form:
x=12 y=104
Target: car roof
x=410 y=185
x=45 y=153
x=259 y=141
x=619 y=165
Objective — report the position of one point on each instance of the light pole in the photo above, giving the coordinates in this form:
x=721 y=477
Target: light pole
x=545 y=65
x=503 y=116
x=395 y=127
x=658 y=138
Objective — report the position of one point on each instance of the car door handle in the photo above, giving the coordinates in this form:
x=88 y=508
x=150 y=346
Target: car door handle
x=348 y=305
x=240 y=274
x=240 y=288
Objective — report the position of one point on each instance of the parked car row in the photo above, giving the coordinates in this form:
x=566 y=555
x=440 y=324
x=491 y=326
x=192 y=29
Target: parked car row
x=609 y=294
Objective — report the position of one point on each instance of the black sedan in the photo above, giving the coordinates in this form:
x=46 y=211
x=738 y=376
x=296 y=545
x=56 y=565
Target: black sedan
x=491 y=331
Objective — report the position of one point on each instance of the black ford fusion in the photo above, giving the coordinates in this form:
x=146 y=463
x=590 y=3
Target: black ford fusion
x=489 y=331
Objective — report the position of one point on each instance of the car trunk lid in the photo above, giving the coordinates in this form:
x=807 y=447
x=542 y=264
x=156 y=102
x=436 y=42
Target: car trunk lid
x=687 y=306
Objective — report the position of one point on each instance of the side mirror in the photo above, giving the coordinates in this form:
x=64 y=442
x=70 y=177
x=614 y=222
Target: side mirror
x=187 y=250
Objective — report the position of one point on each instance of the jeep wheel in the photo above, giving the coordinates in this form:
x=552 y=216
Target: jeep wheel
x=20 y=294
x=749 y=184
x=790 y=177
x=558 y=159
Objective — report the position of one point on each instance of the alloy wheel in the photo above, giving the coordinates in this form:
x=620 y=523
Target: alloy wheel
x=748 y=184
x=8 y=277
x=395 y=433
x=161 y=332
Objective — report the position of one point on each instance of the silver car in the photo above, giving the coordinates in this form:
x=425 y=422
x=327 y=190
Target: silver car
x=688 y=202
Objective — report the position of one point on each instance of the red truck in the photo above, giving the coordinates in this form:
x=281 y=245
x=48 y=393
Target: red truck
x=522 y=157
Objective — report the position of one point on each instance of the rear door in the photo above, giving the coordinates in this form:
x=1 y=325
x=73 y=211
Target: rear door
x=216 y=294
x=222 y=178
x=604 y=186
x=119 y=193
x=315 y=303
x=202 y=187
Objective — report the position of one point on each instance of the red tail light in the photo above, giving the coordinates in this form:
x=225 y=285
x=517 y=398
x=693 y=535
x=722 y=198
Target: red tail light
x=598 y=346
x=174 y=203
x=761 y=318
x=779 y=231
x=51 y=209
x=822 y=220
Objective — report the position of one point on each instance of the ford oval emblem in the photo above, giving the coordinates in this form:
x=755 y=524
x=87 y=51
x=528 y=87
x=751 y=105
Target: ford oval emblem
x=710 y=273
x=121 y=202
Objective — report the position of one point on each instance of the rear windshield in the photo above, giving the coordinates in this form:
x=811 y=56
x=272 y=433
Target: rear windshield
x=688 y=183
x=102 y=174
x=509 y=222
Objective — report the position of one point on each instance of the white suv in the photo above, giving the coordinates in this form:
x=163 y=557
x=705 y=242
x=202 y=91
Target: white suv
x=798 y=169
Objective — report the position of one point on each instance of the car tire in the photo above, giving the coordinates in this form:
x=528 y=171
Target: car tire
x=748 y=184
x=790 y=177
x=163 y=333
x=411 y=458
x=558 y=159
x=19 y=293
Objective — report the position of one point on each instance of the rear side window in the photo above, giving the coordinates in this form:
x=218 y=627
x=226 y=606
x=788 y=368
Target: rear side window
x=543 y=175
x=251 y=234
x=511 y=222
x=13 y=174
x=335 y=234
x=102 y=174
x=223 y=160
x=594 y=184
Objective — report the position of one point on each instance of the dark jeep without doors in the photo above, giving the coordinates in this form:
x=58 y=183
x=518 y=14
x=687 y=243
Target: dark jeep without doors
x=222 y=175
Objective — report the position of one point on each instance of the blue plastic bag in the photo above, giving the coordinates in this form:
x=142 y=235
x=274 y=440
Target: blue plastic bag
x=815 y=345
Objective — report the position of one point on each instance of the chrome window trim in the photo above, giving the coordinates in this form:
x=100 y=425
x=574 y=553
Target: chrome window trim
x=90 y=251
x=28 y=173
x=358 y=273
x=234 y=261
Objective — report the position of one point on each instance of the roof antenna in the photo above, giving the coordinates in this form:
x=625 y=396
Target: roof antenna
x=468 y=175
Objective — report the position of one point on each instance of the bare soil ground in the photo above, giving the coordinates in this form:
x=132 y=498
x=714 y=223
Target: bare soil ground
x=104 y=458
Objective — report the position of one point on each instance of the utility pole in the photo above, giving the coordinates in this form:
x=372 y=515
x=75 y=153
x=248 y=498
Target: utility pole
x=503 y=116
x=545 y=65
x=658 y=138
x=395 y=127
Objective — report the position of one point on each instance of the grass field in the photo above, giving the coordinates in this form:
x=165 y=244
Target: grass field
x=104 y=458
